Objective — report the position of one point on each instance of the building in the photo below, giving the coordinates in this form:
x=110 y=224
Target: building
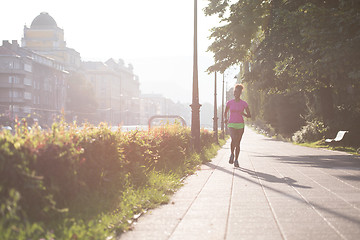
x=30 y=84
x=155 y=104
x=47 y=39
x=34 y=77
x=117 y=90
x=115 y=86
x=129 y=91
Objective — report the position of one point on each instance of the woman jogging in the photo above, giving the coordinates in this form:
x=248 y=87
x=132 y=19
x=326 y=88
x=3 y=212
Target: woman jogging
x=236 y=124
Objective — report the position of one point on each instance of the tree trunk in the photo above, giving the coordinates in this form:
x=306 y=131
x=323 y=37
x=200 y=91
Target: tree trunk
x=326 y=104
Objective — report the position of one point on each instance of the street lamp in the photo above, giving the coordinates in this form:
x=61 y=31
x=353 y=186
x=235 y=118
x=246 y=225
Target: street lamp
x=195 y=106
x=215 y=126
x=12 y=97
x=222 y=110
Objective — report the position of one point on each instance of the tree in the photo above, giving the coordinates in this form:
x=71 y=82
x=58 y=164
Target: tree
x=292 y=45
x=233 y=41
x=81 y=98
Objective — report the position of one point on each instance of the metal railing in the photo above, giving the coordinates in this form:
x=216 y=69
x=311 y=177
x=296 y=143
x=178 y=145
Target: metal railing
x=182 y=120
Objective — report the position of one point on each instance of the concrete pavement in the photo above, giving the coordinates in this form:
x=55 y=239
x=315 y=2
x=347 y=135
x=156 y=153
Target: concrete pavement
x=280 y=191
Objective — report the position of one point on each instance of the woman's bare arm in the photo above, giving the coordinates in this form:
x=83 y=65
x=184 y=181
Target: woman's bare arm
x=226 y=114
x=247 y=112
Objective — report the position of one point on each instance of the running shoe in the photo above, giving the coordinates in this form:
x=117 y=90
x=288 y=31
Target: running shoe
x=231 y=160
x=236 y=164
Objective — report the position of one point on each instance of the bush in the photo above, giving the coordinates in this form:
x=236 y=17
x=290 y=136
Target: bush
x=64 y=178
x=18 y=178
x=311 y=132
x=263 y=128
x=206 y=138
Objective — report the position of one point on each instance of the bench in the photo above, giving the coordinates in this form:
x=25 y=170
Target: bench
x=339 y=136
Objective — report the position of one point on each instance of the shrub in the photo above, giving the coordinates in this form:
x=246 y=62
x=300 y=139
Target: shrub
x=101 y=160
x=206 y=138
x=18 y=178
x=45 y=173
x=312 y=131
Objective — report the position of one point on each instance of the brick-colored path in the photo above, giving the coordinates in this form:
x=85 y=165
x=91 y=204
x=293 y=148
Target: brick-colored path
x=280 y=191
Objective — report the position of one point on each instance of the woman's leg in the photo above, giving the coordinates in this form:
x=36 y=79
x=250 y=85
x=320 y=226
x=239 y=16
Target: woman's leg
x=237 y=145
x=233 y=144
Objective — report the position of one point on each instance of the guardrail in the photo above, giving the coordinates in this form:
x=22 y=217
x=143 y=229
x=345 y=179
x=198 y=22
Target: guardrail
x=182 y=120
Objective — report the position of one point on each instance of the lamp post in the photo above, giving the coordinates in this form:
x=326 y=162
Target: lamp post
x=222 y=110
x=226 y=99
x=12 y=90
x=215 y=126
x=195 y=106
x=12 y=97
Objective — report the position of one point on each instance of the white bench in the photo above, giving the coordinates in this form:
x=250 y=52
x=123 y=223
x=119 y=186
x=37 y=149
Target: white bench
x=339 y=136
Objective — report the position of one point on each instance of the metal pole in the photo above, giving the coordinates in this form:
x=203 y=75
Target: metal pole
x=12 y=91
x=12 y=97
x=215 y=126
x=226 y=99
x=195 y=106
x=222 y=110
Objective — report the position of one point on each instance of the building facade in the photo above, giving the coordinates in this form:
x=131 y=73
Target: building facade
x=115 y=86
x=116 y=89
x=34 y=80
x=31 y=85
x=46 y=38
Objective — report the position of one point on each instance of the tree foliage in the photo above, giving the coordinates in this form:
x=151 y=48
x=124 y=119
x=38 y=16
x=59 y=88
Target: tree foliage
x=293 y=46
x=81 y=97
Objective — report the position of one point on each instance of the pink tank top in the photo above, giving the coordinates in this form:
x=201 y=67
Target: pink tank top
x=236 y=110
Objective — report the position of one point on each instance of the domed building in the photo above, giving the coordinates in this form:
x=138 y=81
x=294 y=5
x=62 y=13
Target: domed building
x=46 y=38
x=43 y=21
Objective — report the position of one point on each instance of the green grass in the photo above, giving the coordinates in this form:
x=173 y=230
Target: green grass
x=322 y=144
x=316 y=144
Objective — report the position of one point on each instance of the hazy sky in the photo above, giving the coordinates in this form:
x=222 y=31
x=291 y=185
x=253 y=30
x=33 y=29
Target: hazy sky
x=155 y=36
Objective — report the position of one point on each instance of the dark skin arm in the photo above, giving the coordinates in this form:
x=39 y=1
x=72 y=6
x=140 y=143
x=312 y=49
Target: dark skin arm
x=247 y=112
x=226 y=114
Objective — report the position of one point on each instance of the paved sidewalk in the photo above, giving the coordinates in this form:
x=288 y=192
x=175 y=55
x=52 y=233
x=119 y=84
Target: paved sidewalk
x=280 y=191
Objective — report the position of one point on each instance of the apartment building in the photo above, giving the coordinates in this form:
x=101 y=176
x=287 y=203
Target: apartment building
x=31 y=85
x=116 y=88
x=34 y=81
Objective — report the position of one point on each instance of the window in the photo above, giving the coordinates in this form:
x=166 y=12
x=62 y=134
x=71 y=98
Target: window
x=14 y=65
x=14 y=94
x=46 y=86
x=28 y=81
x=27 y=67
x=27 y=95
x=14 y=79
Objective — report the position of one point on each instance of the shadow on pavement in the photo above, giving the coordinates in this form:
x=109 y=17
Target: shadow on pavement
x=272 y=178
x=349 y=178
x=268 y=176
x=342 y=162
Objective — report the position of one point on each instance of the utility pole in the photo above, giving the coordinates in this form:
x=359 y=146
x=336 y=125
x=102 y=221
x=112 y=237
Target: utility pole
x=12 y=90
x=222 y=110
x=215 y=125
x=195 y=106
